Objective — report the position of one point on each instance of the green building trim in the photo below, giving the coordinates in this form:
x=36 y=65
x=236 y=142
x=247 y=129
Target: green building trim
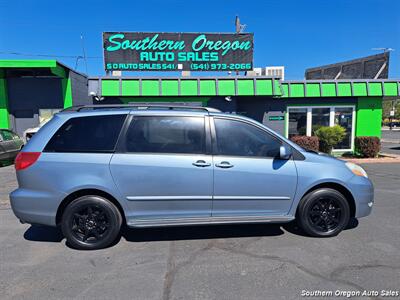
x=67 y=92
x=368 y=109
x=246 y=86
x=341 y=88
x=4 y=122
x=190 y=86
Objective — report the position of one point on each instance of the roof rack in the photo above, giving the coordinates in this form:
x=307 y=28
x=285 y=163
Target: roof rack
x=78 y=108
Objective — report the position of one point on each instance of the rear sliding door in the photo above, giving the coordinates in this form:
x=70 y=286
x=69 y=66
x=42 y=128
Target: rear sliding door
x=162 y=168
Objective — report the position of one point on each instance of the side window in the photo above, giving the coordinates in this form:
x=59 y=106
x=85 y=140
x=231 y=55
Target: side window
x=235 y=138
x=7 y=135
x=87 y=134
x=166 y=135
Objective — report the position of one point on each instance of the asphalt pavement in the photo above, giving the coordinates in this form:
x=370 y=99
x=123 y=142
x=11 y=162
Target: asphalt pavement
x=390 y=141
x=210 y=262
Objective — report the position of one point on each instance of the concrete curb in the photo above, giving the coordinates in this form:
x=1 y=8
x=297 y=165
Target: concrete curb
x=387 y=158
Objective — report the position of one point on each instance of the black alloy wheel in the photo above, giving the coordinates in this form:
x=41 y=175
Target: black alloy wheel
x=323 y=213
x=91 y=222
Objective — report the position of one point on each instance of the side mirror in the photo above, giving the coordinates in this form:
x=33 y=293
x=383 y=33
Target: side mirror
x=285 y=152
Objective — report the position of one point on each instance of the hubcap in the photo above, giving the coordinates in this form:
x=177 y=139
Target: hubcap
x=90 y=224
x=325 y=214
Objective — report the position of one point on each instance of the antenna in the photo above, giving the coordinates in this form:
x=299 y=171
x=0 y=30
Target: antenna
x=385 y=50
x=84 y=53
x=76 y=61
x=240 y=28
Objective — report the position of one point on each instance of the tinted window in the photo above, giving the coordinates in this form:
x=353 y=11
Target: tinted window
x=87 y=134
x=166 y=135
x=240 y=139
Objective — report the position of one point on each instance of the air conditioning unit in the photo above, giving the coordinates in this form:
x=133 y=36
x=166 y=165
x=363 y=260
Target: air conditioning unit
x=255 y=72
x=278 y=71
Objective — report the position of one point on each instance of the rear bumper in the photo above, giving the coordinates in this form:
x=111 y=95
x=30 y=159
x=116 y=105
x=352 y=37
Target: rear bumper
x=35 y=207
x=363 y=192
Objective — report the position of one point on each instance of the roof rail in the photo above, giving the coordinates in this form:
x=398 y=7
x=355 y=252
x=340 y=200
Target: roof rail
x=78 y=108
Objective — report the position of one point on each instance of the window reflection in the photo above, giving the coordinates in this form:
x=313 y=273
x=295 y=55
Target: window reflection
x=344 y=118
x=320 y=117
x=297 y=121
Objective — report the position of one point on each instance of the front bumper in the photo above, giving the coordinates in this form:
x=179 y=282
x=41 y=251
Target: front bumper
x=363 y=193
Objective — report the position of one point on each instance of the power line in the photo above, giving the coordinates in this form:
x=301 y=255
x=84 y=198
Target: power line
x=48 y=55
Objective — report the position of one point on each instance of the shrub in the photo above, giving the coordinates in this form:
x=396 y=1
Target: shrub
x=367 y=146
x=329 y=137
x=307 y=142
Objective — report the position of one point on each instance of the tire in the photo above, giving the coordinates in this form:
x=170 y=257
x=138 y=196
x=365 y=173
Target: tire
x=91 y=222
x=323 y=213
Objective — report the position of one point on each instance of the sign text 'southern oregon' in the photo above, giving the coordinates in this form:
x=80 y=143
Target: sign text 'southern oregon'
x=144 y=51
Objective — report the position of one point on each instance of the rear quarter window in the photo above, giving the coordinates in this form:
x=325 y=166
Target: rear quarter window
x=87 y=134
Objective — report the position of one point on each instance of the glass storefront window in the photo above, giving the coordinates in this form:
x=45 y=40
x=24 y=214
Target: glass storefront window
x=297 y=121
x=344 y=118
x=320 y=117
x=307 y=120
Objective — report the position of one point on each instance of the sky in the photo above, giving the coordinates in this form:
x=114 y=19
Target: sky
x=297 y=34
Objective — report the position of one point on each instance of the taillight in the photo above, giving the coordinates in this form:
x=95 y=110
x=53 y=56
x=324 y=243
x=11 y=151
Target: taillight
x=25 y=160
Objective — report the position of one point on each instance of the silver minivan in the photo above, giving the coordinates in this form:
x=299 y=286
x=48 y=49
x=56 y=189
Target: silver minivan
x=92 y=169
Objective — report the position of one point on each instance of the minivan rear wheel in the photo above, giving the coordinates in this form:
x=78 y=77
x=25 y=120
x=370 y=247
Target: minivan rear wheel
x=323 y=213
x=91 y=222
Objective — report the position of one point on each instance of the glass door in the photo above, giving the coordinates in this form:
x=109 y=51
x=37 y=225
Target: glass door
x=320 y=118
x=344 y=118
x=297 y=122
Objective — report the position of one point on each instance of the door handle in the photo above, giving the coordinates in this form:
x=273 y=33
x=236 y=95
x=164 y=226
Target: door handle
x=201 y=163
x=224 y=165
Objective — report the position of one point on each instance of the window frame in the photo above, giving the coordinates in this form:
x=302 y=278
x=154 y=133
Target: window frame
x=121 y=144
x=215 y=142
x=331 y=120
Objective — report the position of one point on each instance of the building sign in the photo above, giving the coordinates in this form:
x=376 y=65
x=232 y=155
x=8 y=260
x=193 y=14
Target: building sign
x=144 y=51
x=276 y=118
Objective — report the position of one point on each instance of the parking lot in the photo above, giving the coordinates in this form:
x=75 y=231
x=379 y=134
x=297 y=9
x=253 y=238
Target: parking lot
x=211 y=262
x=390 y=142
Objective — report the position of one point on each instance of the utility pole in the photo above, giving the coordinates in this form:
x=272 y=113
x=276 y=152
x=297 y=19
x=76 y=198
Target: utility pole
x=239 y=28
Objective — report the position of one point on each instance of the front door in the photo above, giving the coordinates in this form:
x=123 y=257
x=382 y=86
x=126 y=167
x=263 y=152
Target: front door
x=249 y=178
x=163 y=170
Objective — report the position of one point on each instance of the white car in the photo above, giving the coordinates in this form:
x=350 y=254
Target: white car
x=30 y=132
x=45 y=115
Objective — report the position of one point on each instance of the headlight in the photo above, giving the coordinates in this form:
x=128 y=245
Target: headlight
x=356 y=169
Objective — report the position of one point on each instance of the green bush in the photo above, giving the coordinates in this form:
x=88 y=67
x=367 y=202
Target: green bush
x=329 y=137
x=306 y=142
x=367 y=146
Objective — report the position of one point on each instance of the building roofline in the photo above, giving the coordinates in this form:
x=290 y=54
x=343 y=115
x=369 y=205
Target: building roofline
x=35 y=63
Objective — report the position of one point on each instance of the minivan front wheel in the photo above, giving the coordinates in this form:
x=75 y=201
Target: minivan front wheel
x=323 y=213
x=91 y=222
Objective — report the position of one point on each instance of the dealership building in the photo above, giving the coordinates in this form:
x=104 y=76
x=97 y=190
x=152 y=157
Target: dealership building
x=30 y=90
